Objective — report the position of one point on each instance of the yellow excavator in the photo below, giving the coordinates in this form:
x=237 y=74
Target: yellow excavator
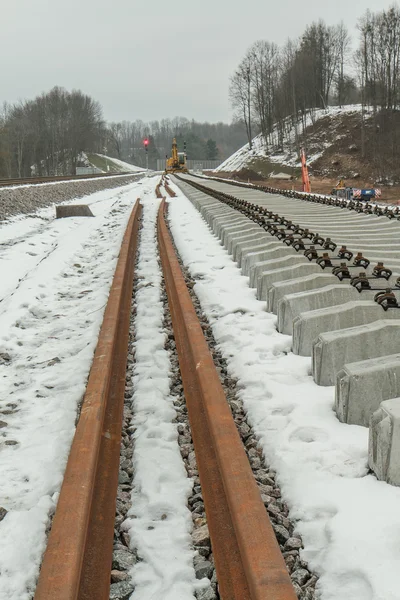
x=177 y=162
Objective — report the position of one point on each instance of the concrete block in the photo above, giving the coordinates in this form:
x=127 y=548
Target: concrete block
x=384 y=442
x=362 y=386
x=264 y=279
x=73 y=210
x=307 y=326
x=228 y=238
x=300 y=284
x=265 y=254
x=245 y=239
x=209 y=213
x=236 y=244
x=292 y=305
x=245 y=248
x=224 y=221
x=334 y=349
x=229 y=230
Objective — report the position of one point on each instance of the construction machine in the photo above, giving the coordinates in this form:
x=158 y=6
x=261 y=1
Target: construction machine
x=177 y=162
x=349 y=193
x=304 y=172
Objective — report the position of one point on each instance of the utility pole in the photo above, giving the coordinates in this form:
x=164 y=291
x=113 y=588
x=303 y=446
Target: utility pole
x=146 y=147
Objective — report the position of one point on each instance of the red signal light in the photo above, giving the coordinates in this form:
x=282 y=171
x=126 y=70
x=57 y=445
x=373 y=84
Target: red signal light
x=146 y=142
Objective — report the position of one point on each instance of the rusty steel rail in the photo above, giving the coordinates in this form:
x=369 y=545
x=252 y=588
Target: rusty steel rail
x=169 y=190
x=248 y=560
x=51 y=179
x=77 y=562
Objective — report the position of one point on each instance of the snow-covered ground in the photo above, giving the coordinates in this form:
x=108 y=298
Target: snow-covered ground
x=349 y=521
x=54 y=281
x=241 y=159
x=124 y=165
x=160 y=521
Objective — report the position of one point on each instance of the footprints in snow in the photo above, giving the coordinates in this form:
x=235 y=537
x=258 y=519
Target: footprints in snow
x=308 y=435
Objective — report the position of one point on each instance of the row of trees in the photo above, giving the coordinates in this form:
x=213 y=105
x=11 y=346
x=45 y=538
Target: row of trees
x=47 y=135
x=274 y=82
x=378 y=58
x=204 y=141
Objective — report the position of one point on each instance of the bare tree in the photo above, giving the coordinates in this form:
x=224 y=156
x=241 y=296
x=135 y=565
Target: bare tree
x=240 y=93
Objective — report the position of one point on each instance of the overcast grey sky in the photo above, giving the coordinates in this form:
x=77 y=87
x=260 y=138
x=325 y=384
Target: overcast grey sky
x=150 y=59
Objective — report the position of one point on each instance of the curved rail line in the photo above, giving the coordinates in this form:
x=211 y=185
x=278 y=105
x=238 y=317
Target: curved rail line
x=77 y=561
x=50 y=179
x=248 y=560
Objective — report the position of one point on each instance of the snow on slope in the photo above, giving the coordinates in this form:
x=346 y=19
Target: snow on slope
x=54 y=281
x=349 y=521
x=124 y=165
x=241 y=159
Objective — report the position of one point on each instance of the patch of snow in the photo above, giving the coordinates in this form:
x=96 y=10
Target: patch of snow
x=124 y=165
x=349 y=521
x=241 y=159
x=159 y=522
x=55 y=277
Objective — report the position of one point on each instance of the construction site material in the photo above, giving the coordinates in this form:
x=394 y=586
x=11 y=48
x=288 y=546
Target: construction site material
x=335 y=349
x=266 y=278
x=244 y=246
x=308 y=325
x=301 y=284
x=266 y=253
x=73 y=210
x=384 y=442
x=362 y=386
x=291 y=306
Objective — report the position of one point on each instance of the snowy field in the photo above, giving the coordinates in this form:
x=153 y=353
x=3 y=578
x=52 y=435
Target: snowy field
x=124 y=165
x=55 y=278
x=54 y=281
x=349 y=521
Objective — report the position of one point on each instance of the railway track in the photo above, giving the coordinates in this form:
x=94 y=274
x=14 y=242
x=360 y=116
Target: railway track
x=322 y=270
x=332 y=277
x=55 y=178
x=77 y=562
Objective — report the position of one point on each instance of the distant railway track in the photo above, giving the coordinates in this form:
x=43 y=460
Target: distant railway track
x=374 y=207
x=56 y=178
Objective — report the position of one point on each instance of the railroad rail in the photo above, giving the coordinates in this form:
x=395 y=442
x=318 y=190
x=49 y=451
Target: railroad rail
x=247 y=557
x=55 y=178
x=77 y=561
x=368 y=208
x=333 y=278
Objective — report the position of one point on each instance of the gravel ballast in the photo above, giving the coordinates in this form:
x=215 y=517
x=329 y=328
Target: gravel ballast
x=25 y=199
x=304 y=581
